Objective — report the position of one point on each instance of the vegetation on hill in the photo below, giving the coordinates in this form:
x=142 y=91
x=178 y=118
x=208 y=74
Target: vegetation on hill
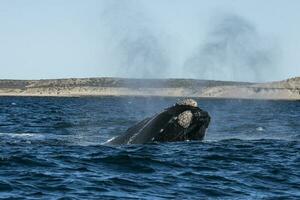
x=114 y=82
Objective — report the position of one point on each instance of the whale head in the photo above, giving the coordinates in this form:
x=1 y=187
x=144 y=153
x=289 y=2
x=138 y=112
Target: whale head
x=187 y=122
x=180 y=122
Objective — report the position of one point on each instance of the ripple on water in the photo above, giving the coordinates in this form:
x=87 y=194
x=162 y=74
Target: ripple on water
x=50 y=148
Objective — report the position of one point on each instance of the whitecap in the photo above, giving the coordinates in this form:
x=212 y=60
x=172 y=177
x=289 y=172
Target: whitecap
x=260 y=128
x=19 y=134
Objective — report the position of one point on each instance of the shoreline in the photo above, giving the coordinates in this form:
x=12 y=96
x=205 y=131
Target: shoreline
x=166 y=96
x=96 y=87
x=147 y=96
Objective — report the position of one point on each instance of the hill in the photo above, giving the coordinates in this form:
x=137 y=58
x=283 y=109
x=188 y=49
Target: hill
x=287 y=89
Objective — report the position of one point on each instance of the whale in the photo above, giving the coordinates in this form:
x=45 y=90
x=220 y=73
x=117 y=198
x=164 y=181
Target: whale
x=184 y=121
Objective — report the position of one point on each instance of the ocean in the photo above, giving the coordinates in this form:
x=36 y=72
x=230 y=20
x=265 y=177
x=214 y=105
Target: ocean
x=53 y=148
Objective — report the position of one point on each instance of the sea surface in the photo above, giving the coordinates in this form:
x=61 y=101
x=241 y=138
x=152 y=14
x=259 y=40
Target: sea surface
x=52 y=148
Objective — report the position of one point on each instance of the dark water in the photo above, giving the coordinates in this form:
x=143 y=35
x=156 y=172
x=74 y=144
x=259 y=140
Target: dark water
x=51 y=149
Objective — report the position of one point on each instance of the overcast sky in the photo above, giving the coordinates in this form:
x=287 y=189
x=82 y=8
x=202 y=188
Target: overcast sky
x=241 y=40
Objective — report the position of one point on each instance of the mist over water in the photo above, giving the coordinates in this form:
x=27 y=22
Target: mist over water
x=232 y=48
x=227 y=40
x=137 y=49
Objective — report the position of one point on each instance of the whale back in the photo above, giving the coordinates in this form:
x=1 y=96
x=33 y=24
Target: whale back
x=143 y=131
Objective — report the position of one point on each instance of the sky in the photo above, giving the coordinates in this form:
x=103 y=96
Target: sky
x=234 y=40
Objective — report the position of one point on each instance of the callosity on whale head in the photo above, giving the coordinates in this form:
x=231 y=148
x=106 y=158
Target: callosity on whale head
x=183 y=121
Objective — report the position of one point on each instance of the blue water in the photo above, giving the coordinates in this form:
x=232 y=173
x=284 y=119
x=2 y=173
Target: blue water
x=51 y=148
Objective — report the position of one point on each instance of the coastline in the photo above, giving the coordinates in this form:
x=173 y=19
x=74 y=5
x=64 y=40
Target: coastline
x=281 y=90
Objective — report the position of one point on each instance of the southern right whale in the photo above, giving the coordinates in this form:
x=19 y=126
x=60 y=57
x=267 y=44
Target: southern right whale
x=180 y=122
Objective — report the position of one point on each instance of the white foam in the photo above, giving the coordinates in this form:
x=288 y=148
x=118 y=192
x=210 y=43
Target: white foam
x=25 y=135
x=108 y=140
x=260 y=129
